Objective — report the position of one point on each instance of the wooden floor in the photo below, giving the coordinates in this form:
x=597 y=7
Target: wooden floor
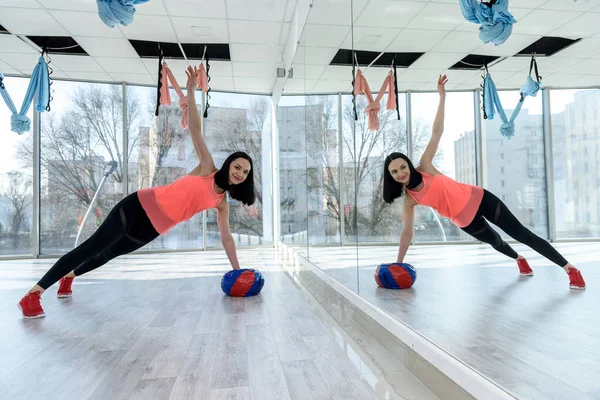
x=159 y=327
x=531 y=335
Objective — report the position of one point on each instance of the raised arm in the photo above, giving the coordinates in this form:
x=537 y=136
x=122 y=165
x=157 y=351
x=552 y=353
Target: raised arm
x=408 y=218
x=438 y=126
x=195 y=128
x=225 y=233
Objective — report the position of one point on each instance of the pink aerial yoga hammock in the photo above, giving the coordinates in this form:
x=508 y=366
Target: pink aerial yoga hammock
x=165 y=97
x=372 y=109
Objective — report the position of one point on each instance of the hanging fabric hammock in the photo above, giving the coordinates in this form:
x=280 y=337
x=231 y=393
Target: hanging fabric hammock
x=165 y=97
x=496 y=22
x=114 y=12
x=491 y=100
x=39 y=87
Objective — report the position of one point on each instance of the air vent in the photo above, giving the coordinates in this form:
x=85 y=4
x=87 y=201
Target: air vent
x=474 y=61
x=58 y=44
x=547 y=46
x=194 y=51
x=403 y=60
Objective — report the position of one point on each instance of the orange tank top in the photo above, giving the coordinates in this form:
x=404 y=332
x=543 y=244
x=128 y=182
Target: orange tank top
x=454 y=200
x=179 y=201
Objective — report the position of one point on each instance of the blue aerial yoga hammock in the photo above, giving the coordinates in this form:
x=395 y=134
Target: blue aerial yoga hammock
x=114 y=12
x=496 y=22
x=491 y=101
x=39 y=86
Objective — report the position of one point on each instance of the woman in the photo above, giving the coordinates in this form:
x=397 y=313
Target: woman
x=469 y=207
x=142 y=216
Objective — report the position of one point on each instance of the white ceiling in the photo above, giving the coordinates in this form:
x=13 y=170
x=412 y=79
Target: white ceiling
x=438 y=29
x=256 y=31
x=256 y=35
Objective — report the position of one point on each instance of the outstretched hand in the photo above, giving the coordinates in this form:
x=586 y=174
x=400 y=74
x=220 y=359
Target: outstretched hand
x=192 y=80
x=441 y=85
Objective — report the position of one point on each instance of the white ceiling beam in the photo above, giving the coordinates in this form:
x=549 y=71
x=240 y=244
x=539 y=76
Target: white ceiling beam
x=299 y=19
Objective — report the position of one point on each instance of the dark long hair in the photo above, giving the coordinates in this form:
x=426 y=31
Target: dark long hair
x=244 y=192
x=392 y=189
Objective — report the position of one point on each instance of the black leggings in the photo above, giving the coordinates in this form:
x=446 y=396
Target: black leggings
x=494 y=210
x=125 y=229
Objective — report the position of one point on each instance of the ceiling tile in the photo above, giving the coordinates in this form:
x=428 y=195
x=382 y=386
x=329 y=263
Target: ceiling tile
x=72 y=5
x=315 y=55
x=151 y=8
x=467 y=26
x=497 y=76
x=220 y=68
x=439 y=61
x=60 y=75
x=126 y=65
x=561 y=79
x=222 y=83
x=298 y=86
x=5 y=67
x=253 y=52
x=21 y=61
x=419 y=75
x=197 y=8
x=324 y=35
x=79 y=23
x=589 y=66
x=337 y=73
x=254 y=32
x=438 y=17
x=253 y=70
x=459 y=76
x=330 y=86
x=457 y=42
x=541 y=22
x=513 y=64
x=31 y=22
x=388 y=14
x=429 y=86
x=69 y=63
x=516 y=80
x=583 y=49
x=406 y=86
x=150 y=27
x=370 y=39
x=555 y=64
x=513 y=45
x=254 y=85
x=12 y=44
x=91 y=76
x=569 y=5
x=526 y=3
x=106 y=47
x=584 y=26
x=416 y=40
x=331 y=12
x=201 y=30
x=21 y=4
x=260 y=10
x=312 y=72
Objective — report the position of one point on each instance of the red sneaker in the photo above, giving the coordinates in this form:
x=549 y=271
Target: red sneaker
x=65 y=288
x=30 y=306
x=575 y=279
x=524 y=267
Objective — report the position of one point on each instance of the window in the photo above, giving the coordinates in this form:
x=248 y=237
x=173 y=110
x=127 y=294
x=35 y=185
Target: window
x=16 y=178
x=77 y=142
x=571 y=222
